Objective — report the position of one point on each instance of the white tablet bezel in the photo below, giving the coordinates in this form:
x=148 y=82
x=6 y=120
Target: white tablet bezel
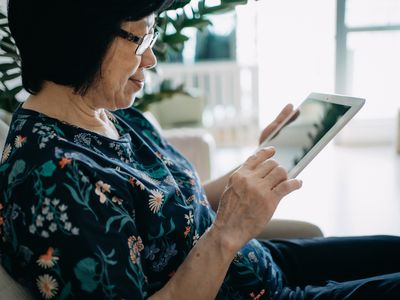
x=355 y=105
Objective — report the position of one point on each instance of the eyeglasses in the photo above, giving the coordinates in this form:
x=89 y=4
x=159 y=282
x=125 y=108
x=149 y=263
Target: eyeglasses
x=144 y=43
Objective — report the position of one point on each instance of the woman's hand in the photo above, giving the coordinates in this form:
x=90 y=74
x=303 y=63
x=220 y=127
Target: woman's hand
x=251 y=197
x=286 y=111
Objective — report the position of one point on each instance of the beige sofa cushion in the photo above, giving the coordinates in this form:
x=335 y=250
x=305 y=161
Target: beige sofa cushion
x=10 y=289
x=3 y=134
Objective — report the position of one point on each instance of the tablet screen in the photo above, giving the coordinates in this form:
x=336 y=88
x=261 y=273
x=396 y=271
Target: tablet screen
x=311 y=121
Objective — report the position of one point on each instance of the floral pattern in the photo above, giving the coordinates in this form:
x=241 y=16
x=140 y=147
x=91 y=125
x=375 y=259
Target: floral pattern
x=156 y=200
x=47 y=286
x=48 y=259
x=86 y=217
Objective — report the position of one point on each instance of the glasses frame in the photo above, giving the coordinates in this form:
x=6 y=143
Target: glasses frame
x=139 y=40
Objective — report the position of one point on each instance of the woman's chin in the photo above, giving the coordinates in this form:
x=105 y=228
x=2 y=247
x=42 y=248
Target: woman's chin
x=129 y=102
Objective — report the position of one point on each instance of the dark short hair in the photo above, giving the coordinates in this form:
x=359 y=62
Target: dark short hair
x=65 y=41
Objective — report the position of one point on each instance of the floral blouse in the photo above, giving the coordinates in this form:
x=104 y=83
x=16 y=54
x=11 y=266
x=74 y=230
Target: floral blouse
x=83 y=216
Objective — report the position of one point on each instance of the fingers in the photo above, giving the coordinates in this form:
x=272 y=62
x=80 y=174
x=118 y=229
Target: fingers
x=265 y=167
x=284 y=113
x=288 y=186
x=275 y=177
x=261 y=155
x=279 y=119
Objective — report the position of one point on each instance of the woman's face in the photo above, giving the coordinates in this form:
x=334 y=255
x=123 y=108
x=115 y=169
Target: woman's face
x=122 y=71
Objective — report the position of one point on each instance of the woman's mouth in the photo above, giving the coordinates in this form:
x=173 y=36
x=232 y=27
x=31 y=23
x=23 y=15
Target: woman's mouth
x=137 y=82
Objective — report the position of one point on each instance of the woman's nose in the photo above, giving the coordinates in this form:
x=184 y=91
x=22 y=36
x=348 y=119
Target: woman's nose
x=149 y=60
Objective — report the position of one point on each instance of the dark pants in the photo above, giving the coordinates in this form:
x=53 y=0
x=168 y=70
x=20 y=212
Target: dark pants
x=339 y=268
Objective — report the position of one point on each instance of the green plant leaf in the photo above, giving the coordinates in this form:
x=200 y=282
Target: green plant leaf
x=198 y=23
x=10 y=55
x=176 y=38
x=10 y=77
x=236 y=2
x=17 y=89
x=219 y=9
x=179 y=4
x=8 y=66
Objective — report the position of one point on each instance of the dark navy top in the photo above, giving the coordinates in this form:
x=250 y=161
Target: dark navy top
x=87 y=217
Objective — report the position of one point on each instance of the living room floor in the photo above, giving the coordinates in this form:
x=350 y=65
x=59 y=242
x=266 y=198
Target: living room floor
x=346 y=190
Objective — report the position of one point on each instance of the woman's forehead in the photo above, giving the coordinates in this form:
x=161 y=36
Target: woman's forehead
x=145 y=23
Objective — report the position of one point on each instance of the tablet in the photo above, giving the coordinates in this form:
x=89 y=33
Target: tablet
x=309 y=129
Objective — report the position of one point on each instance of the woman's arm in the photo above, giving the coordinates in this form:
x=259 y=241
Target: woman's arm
x=247 y=204
x=203 y=271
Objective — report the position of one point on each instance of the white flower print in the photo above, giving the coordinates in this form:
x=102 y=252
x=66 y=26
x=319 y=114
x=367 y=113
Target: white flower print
x=156 y=200
x=188 y=172
x=19 y=141
x=64 y=217
x=170 y=180
x=190 y=199
x=45 y=234
x=50 y=217
x=46 y=133
x=68 y=226
x=63 y=207
x=47 y=286
x=252 y=256
x=6 y=152
x=32 y=229
x=167 y=161
x=195 y=237
x=140 y=185
x=39 y=221
x=53 y=227
x=148 y=178
x=189 y=218
x=45 y=210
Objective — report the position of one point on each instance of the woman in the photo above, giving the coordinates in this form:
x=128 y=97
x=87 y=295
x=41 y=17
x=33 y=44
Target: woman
x=96 y=205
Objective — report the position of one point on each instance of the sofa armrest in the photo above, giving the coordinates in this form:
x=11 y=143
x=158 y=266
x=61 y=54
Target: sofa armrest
x=10 y=289
x=197 y=145
x=289 y=229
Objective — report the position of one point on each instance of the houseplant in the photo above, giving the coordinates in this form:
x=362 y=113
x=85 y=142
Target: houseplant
x=171 y=25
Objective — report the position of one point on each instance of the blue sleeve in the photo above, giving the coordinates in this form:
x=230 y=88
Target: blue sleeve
x=67 y=233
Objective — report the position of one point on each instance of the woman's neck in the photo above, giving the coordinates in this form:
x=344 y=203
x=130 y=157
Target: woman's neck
x=60 y=102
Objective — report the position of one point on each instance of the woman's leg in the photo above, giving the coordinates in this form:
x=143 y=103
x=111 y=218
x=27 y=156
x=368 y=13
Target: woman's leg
x=315 y=261
x=383 y=287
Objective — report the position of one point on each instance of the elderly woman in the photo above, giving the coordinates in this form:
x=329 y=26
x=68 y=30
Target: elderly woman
x=96 y=205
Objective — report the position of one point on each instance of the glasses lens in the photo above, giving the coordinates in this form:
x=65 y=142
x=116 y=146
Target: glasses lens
x=148 y=42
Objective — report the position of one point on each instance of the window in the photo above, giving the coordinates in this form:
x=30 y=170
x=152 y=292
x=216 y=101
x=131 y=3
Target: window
x=295 y=51
x=368 y=55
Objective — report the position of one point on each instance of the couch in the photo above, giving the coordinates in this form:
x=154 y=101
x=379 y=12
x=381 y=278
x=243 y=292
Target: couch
x=197 y=145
